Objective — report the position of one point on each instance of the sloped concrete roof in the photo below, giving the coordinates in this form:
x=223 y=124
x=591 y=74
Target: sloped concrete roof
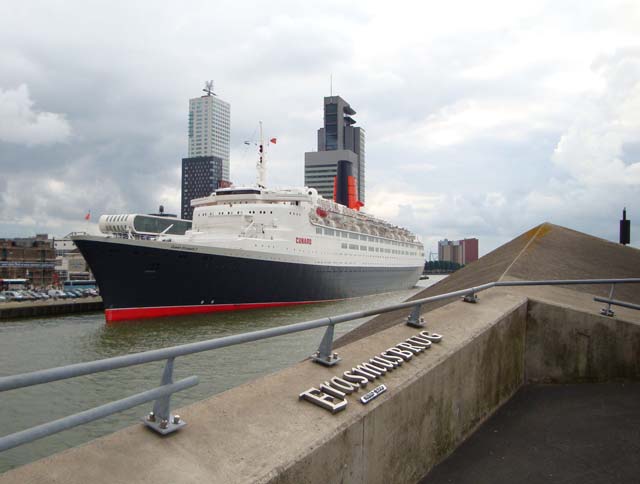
x=546 y=251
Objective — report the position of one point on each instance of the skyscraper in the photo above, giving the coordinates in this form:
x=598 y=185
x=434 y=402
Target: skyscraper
x=210 y=128
x=337 y=140
x=209 y=138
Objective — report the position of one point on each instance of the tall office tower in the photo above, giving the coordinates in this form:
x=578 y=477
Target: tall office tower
x=210 y=127
x=337 y=140
x=207 y=166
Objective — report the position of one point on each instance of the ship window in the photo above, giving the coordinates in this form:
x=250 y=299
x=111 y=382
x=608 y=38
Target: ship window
x=318 y=231
x=370 y=239
x=353 y=246
x=363 y=237
x=363 y=247
x=353 y=236
x=370 y=249
x=328 y=232
x=344 y=246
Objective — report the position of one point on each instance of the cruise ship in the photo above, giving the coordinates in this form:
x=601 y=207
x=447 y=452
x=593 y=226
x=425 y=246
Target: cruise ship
x=249 y=247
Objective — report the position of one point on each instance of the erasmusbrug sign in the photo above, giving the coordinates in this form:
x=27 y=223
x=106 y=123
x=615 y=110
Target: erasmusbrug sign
x=332 y=394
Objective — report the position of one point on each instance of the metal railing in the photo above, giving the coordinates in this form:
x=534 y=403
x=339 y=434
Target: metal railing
x=607 y=311
x=160 y=418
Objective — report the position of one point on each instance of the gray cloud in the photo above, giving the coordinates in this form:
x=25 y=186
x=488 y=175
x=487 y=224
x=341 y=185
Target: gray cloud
x=21 y=123
x=481 y=120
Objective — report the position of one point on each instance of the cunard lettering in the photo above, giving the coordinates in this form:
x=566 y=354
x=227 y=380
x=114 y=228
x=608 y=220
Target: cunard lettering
x=333 y=394
x=303 y=240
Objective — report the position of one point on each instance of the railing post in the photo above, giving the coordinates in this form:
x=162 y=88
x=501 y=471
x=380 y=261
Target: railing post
x=325 y=355
x=160 y=419
x=414 y=319
x=471 y=297
x=607 y=311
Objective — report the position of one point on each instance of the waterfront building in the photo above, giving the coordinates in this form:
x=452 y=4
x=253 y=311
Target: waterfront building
x=459 y=251
x=201 y=176
x=70 y=263
x=207 y=165
x=338 y=140
x=31 y=258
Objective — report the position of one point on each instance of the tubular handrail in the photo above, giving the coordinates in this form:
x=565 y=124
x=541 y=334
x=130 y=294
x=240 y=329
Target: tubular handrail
x=161 y=420
x=55 y=426
x=616 y=302
x=107 y=364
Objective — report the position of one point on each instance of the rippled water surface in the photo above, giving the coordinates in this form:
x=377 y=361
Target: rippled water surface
x=33 y=344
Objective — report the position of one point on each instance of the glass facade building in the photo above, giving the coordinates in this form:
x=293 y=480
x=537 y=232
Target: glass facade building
x=201 y=176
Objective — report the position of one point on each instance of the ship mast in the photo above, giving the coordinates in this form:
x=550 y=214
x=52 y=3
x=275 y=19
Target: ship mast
x=261 y=165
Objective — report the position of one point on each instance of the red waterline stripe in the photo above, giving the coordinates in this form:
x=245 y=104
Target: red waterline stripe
x=125 y=314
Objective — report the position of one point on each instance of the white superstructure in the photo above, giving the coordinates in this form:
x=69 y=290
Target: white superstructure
x=297 y=225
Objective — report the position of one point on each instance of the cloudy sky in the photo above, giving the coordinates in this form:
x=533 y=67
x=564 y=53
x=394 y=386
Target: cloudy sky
x=483 y=119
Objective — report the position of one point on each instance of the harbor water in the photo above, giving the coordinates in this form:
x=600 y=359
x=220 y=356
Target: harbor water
x=33 y=344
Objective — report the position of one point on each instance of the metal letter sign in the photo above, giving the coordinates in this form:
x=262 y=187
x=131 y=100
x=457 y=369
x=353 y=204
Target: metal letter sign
x=332 y=395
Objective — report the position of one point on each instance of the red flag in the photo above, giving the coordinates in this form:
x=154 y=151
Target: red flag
x=88 y=215
x=274 y=140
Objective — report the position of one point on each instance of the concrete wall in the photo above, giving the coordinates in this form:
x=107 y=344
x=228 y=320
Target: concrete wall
x=49 y=308
x=399 y=440
x=565 y=345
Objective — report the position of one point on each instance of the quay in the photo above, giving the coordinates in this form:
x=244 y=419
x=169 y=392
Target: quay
x=491 y=350
x=31 y=309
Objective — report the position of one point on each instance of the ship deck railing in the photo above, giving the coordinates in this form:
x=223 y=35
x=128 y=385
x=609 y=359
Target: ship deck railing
x=160 y=418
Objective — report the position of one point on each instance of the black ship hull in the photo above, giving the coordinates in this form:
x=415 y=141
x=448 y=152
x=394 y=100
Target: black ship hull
x=139 y=280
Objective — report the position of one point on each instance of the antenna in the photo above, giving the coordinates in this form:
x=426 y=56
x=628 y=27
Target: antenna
x=208 y=88
x=331 y=85
x=261 y=162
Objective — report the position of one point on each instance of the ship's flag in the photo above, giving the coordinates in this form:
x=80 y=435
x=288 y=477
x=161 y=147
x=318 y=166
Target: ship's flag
x=274 y=140
x=88 y=215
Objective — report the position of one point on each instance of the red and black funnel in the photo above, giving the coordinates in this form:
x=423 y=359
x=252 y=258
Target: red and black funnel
x=345 y=191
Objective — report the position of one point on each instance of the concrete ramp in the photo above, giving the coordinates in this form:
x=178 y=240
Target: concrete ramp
x=546 y=251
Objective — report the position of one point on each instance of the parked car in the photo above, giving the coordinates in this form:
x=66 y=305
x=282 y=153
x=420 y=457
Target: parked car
x=57 y=294
x=2 y=298
x=14 y=296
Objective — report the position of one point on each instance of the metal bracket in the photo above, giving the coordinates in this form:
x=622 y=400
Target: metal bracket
x=160 y=419
x=414 y=319
x=325 y=355
x=470 y=298
x=607 y=311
